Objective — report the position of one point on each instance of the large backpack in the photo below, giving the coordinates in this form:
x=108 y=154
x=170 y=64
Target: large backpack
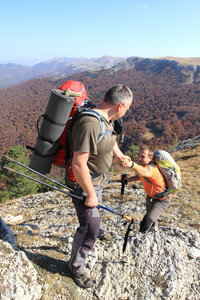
x=169 y=169
x=53 y=143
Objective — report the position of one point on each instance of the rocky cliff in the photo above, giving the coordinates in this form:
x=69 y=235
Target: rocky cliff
x=36 y=236
x=191 y=72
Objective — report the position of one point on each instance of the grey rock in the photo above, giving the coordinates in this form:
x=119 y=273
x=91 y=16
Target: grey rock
x=19 y=279
x=163 y=263
x=190 y=143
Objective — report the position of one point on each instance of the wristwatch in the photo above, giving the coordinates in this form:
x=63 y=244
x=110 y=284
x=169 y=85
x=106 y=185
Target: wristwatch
x=132 y=164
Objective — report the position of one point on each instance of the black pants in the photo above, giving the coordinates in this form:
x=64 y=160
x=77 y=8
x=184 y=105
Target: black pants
x=86 y=234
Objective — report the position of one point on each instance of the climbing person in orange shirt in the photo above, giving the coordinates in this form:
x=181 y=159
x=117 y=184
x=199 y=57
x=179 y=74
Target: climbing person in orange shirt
x=158 y=197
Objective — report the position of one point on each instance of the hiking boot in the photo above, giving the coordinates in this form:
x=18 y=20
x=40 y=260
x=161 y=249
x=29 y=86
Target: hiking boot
x=83 y=281
x=107 y=236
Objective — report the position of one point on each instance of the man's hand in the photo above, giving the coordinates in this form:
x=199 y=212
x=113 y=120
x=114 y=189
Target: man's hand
x=127 y=162
x=125 y=157
x=91 y=201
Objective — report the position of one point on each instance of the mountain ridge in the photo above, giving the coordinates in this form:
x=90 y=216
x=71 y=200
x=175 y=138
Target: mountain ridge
x=157 y=65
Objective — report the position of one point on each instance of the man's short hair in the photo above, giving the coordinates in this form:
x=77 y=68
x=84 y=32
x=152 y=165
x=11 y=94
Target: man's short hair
x=149 y=148
x=118 y=94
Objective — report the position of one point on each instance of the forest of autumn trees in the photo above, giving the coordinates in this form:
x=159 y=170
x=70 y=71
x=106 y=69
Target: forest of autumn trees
x=165 y=108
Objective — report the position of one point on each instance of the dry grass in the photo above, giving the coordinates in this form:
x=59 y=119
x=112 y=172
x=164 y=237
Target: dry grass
x=187 y=200
x=189 y=162
x=183 y=60
x=149 y=135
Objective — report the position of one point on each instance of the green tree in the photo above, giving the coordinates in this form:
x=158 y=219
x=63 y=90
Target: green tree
x=15 y=185
x=133 y=152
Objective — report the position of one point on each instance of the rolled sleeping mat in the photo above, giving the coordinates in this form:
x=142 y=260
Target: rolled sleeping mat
x=54 y=120
x=42 y=163
x=56 y=115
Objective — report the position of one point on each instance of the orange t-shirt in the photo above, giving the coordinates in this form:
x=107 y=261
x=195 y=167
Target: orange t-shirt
x=156 y=178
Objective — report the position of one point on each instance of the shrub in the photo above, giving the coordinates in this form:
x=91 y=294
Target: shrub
x=15 y=185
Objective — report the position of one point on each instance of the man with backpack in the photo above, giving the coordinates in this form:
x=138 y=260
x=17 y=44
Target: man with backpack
x=90 y=163
x=158 y=196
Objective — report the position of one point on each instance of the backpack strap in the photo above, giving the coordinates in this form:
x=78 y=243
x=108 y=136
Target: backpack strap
x=103 y=131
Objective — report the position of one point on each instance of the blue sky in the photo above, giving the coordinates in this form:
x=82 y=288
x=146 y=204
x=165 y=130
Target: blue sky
x=34 y=31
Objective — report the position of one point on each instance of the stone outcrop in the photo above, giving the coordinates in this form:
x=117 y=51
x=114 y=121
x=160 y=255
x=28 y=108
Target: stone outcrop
x=186 y=144
x=18 y=278
x=161 y=264
x=36 y=233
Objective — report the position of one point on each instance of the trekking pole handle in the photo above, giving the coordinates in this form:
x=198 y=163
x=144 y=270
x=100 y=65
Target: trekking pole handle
x=123 y=182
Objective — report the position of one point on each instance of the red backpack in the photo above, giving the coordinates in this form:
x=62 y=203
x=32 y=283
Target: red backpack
x=78 y=87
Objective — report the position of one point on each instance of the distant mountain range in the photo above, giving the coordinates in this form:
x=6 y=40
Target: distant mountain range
x=13 y=74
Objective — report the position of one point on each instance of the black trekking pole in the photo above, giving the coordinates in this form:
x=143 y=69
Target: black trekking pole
x=123 y=181
x=65 y=192
x=130 y=226
x=122 y=192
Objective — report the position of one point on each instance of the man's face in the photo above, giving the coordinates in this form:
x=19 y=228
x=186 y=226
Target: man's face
x=122 y=109
x=143 y=157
